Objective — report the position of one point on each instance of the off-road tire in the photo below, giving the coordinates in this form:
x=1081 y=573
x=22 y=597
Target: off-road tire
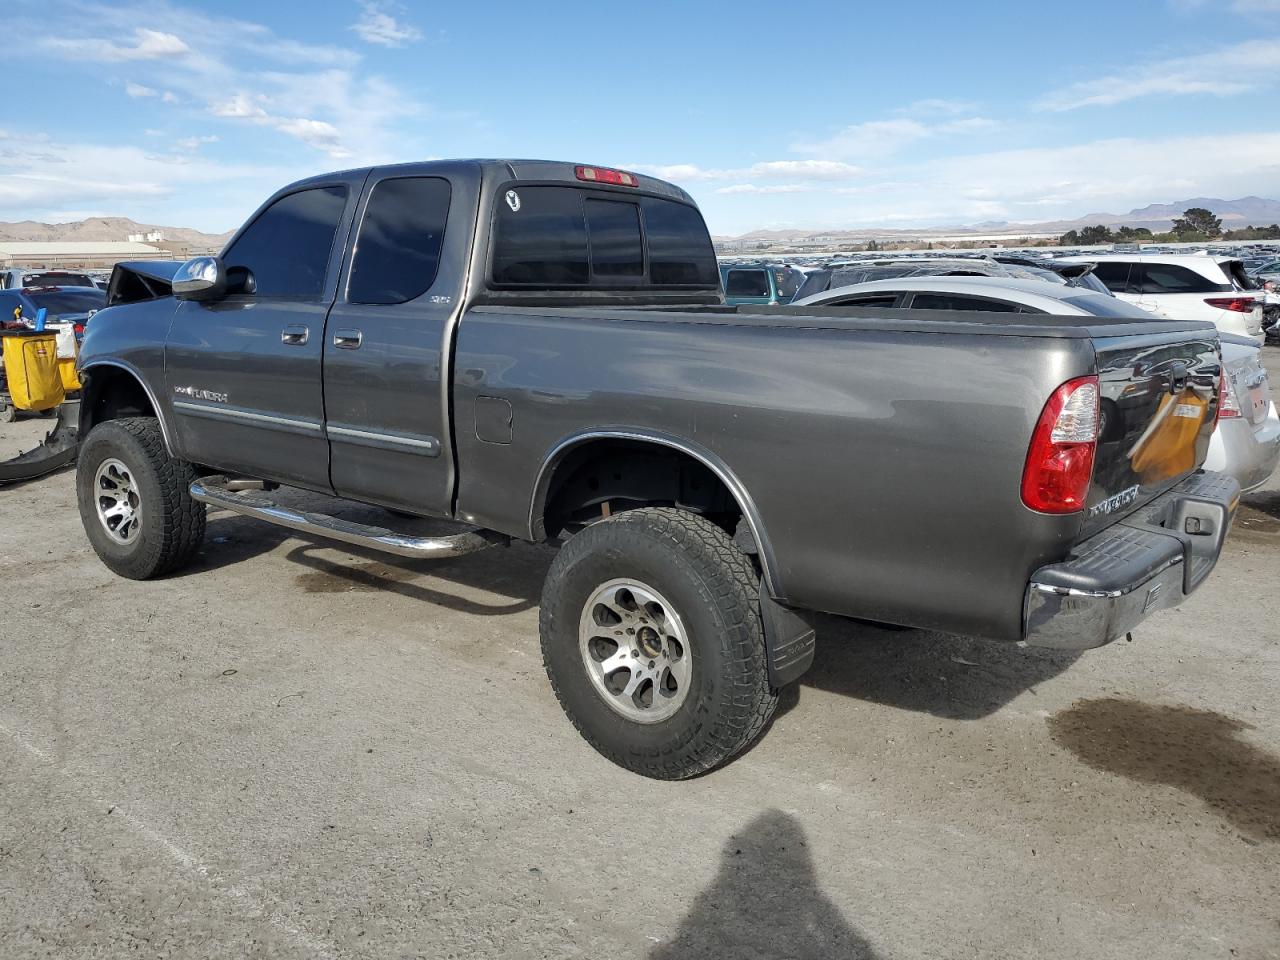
x=715 y=589
x=172 y=525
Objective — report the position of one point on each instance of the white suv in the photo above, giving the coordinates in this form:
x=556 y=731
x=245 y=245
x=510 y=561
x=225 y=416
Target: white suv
x=1194 y=286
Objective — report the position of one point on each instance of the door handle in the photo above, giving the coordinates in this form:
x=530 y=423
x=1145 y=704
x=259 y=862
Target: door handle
x=348 y=339
x=295 y=334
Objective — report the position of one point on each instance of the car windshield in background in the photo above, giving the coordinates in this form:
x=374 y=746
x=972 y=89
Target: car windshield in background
x=57 y=279
x=1104 y=305
x=69 y=301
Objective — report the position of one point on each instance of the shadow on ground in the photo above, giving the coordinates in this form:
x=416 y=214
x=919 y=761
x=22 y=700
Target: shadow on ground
x=765 y=903
x=940 y=674
x=1197 y=751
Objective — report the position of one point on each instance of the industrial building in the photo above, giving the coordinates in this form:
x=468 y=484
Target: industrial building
x=85 y=254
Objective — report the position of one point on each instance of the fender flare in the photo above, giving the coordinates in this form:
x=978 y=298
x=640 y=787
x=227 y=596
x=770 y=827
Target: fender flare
x=736 y=488
x=86 y=409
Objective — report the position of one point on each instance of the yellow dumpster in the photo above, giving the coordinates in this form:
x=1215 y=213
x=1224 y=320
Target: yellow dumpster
x=31 y=369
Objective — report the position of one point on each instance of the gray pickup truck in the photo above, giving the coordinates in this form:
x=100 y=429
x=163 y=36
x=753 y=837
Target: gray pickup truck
x=540 y=351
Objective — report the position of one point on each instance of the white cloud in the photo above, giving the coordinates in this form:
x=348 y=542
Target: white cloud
x=148 y=45
x=766 y=189
x=877 y=139
x=39 y=177
x=377 y=25
x=1222 y=72
x=933 y=106
x=138 y=90
x=782 y=169
x=194 y=143
x=808 y=169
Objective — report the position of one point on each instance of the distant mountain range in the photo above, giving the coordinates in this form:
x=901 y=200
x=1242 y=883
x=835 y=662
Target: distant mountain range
x=1157 y=217
x=106 y=228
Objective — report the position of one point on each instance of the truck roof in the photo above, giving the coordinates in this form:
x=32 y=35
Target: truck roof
x=555 y=171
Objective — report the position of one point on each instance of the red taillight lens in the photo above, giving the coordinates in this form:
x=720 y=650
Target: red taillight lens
x=1234 y=304
x=1060 y=460
x=601 y=175
x=1228 y=405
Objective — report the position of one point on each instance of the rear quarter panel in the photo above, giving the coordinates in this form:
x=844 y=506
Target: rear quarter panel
x=885 y=465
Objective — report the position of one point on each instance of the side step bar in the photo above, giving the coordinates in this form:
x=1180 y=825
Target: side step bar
x=219 y=491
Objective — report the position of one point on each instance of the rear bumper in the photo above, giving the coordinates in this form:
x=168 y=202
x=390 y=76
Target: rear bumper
x=1148 y=561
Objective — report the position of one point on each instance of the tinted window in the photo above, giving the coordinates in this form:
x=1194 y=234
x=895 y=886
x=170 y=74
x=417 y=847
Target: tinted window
x=57 y=279
x=878 y=300
x=958 y=301
x=787 y=282
x=1114 y=276
x=69 y=301
x=614 y=232
x=1169 y=278
x=540 y=238
x=398 y=248
x=287 y=248
x=746 y=283
x=1105 y=306
x=680 y=251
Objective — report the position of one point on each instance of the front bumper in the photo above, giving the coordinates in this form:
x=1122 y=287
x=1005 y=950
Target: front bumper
x=1150 y=560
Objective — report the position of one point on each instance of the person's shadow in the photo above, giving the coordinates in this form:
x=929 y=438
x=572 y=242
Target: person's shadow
x=765 y=904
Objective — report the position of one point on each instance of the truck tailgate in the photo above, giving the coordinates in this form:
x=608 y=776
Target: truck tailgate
x=1158 y=403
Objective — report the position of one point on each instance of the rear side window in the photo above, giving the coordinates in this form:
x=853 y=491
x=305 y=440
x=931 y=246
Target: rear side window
x=287 y=247
x=958 y=301
x=555 y=237
x=398 y=247
x=746 y=283
x=1160 y=278
x=613 y=230
x=1114 y=275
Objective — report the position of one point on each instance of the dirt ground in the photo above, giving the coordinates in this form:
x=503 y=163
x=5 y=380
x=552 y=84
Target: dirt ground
x=294 y=750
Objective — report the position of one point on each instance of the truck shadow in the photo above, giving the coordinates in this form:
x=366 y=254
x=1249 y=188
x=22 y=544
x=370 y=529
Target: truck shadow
x=924 y=671
x=954 y=677
x=765 y=903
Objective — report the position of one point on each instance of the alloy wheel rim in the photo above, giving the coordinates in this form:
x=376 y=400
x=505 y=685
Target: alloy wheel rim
x=119 y=504
x=636 y=650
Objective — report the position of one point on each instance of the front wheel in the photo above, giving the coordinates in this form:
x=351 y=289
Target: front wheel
x=134 y=500
x=652 y=638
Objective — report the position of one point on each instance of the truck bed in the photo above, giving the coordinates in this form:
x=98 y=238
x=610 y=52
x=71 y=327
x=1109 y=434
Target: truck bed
x=898 y=464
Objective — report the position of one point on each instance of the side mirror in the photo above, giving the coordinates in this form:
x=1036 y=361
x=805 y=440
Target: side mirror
x=201 y=278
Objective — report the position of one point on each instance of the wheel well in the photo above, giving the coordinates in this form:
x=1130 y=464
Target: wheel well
x=607 y=476
x=111 y=394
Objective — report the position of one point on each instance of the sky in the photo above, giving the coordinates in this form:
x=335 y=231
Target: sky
x=801 y=115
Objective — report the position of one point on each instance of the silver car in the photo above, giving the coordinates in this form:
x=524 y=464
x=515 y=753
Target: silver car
x=1247 y=441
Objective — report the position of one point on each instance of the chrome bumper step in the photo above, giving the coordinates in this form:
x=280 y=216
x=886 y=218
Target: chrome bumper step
x=229 y=494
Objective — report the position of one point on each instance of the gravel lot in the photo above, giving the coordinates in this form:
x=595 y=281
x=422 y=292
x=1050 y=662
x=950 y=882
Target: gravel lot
x=294 y=750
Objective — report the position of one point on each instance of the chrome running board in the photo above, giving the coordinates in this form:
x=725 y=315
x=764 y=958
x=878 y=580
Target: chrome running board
x=219 y=491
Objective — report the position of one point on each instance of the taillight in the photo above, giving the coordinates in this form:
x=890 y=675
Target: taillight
x=1228 y=405
x=602 y=175
x=1234 y=304
x=1060 y=460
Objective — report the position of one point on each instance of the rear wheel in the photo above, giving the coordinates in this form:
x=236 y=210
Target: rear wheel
x=652 y=639
x=134 y=500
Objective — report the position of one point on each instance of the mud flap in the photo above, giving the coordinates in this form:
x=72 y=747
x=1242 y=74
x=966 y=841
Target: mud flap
x=57 y=451
x=789 y=641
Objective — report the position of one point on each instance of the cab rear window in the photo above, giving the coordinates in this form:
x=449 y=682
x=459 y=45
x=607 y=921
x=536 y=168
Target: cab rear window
x=555 y=237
